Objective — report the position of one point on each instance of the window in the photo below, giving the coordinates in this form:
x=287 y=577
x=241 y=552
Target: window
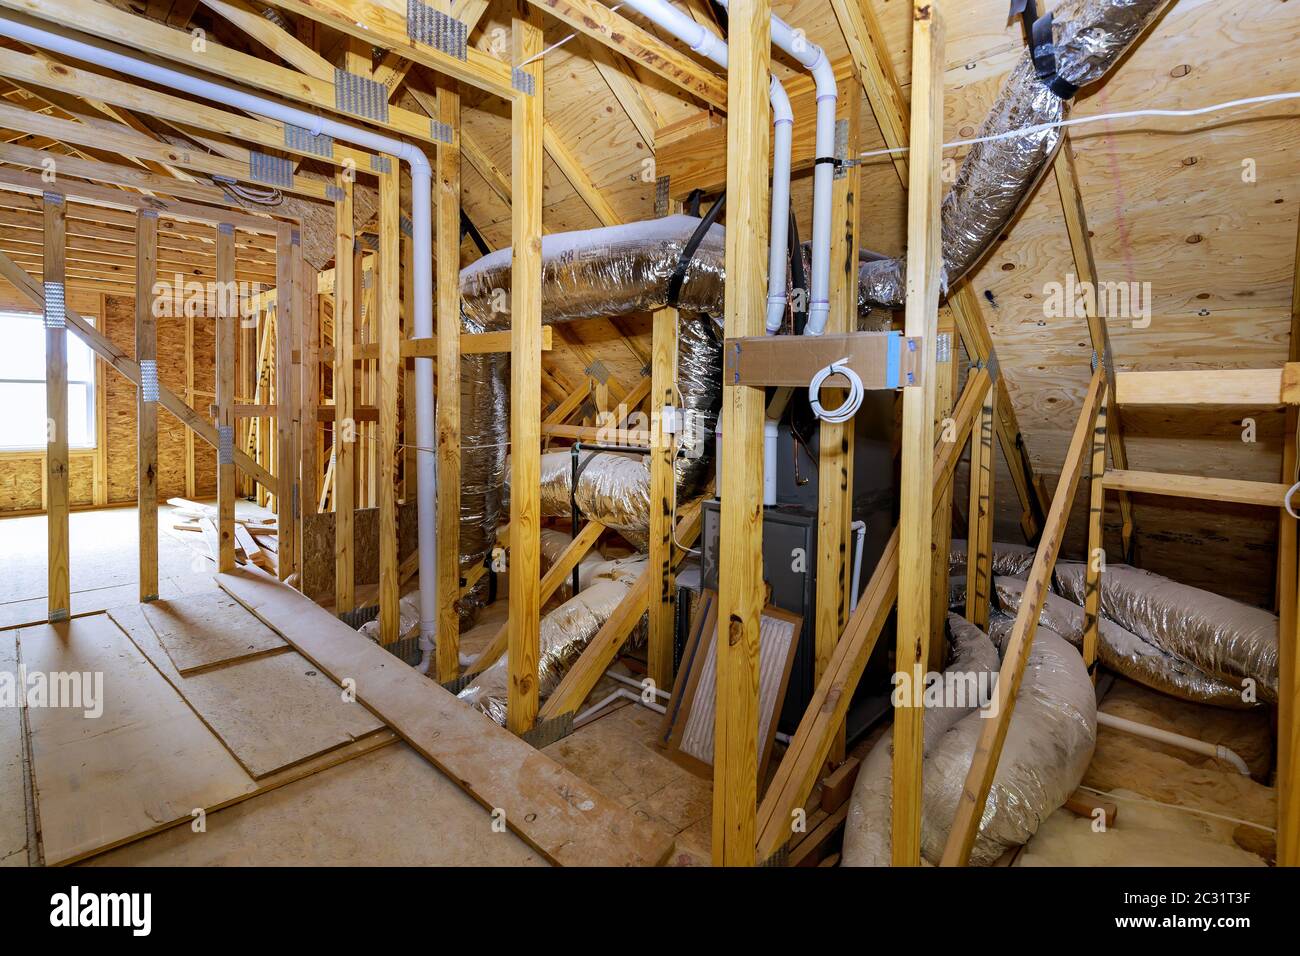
x=22 y=385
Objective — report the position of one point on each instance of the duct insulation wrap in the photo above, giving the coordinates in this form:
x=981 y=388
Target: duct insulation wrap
x=1048 y=747
x=554 y=544
x=996 y=178
x=868 y=826
x=1124 y=652
x=1226 y=639
x=565 y=633
x=1010 y=560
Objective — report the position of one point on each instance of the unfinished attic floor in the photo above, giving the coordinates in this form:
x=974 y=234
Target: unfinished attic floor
x=1235 y=825
x=103 y=560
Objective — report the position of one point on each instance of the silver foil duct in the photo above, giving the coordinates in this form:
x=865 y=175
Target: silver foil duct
x=1231 y=641
x=1012 y=560
x=596 y=272
x=609 y=271
x=996 y=178
x=564 y=634
x=1122 y=651
x=1048 y=747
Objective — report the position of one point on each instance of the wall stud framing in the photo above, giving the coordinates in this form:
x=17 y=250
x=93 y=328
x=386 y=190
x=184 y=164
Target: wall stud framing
x=56 y=409
x=146 y=353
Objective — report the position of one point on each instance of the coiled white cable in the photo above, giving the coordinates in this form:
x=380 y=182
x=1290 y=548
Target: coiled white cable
x=851 y=404
x=1286 y=500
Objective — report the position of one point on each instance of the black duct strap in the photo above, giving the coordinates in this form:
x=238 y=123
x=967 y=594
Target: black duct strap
x=798 y=280
x=688 y=253
x=1042 y=48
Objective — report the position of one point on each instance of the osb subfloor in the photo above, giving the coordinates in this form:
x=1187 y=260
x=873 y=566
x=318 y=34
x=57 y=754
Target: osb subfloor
x=616 y=754
x=104 y=561
x=1235 y=828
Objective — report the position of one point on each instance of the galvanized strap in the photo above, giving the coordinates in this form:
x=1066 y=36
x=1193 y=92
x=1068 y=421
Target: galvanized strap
x=442 y=132
x=661 y=196
x=272 y=170
x=360 y=95
x=598 y=371
x=148 y=380
x=305 y=141
x=523 y=82
x=549 y=731
x=380 y=164
x=225 y=445
x=426 y=25
x=56 y=312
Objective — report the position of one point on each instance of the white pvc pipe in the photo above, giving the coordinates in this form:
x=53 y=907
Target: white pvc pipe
x=421 y=252
x=859 y=529
x=1218 y=751
x=710 y=45
x=812 y=57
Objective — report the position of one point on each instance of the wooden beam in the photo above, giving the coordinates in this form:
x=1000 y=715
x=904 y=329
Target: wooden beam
x=1085 y=264
x=979 y=534
x=307 y=332
x=1265 y=494
x=130 y=143
x=662 y=599
x=835 y=453
x=741 y=591
x=1096 y=542
x=345 y=428
x=924 y=264
x=604 y=647
x=316 y=91
x=603 y=25
x=449 y=412
x=945 y=388
x=59 y=599
x=805 y=758
x=555 y=578
x=164 y=106
x=388 y=298
x=146 y=406
x=970 y=806
x=1227 y=386
x=865 y=41
x=285 y=460
x=382 y=23
x=1288 y=728
x=526 y=122
x=227 y=316
x=110 y=353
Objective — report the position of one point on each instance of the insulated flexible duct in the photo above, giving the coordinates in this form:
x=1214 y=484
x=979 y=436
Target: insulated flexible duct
x=563 y=635
x=1125 y=652
x=1226 y=639
x=996 y=178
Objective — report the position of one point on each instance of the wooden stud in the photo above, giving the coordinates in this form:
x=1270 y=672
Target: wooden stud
x=525 y=373
x=1096 y=543
x=804 y=762
x=1288 y=728
x=741 y=588
x=285 y=460
x=146 y=353
x=924 y=261
x=448 y=412
x=1085 y=264
x=663 y=500
x=308 y=372
x=945 y=388
x=388 y=318
x=984 y=765
x=227 y=316
x=835 y=457
x=56 y=411
x=979 y=534
x=189 y=400
x=345 y=429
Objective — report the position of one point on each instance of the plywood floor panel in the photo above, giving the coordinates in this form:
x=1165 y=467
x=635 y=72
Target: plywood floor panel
x=144 y=763
x=204 y=631
x=271 y=711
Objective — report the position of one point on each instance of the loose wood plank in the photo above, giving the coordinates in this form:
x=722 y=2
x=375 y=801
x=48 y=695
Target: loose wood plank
x=554 y=811
x=203 y=631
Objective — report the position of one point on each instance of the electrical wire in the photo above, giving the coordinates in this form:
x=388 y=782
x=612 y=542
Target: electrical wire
x=1099 y=118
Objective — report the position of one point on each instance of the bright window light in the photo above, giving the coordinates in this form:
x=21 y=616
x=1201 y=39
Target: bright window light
x=22 y=385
